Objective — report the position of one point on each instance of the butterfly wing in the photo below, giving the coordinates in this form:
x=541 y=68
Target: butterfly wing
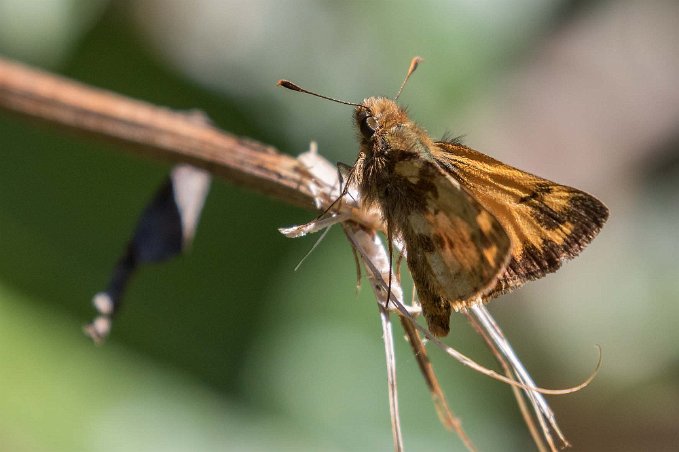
x=546 y=222
x=456 y=249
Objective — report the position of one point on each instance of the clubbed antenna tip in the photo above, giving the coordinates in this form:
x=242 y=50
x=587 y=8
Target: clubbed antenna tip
x=413 y=65
x=289 y=85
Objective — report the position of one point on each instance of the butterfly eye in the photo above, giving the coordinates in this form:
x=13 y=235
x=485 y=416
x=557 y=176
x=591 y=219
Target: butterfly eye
x=368 y=125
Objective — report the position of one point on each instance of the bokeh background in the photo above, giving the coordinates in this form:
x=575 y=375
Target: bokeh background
x=227 y=348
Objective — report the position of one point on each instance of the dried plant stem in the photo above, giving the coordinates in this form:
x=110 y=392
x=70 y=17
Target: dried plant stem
x=541 y=409
x=525 y=413
x=373 y=254
x=358 y=235
x=152 y=131
x=388 y=338
x=446 y=415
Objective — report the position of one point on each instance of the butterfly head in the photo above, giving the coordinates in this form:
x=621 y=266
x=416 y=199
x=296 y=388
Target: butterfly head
x=378 y=116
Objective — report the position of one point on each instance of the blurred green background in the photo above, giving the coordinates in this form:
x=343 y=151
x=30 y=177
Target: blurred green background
x=227 y=348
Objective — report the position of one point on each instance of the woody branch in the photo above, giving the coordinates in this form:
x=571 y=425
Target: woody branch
x=153 y=131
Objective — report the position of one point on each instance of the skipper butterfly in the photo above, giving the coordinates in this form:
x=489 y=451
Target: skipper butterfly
x=473 y=227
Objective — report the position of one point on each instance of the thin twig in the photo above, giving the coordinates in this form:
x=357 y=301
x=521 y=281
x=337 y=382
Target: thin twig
x=543 y=412
x=523 y=408
x=446 y=415
x=388 y=338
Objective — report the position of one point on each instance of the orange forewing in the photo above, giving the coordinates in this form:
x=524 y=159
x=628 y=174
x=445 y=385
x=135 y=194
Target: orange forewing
x=546 y=222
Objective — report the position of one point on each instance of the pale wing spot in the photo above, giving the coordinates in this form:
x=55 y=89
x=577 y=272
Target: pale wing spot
x=485 y=222
x=405 y=168
x=491 y=255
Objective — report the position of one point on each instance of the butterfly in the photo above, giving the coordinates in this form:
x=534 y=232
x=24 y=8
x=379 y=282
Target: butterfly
x=473 y=227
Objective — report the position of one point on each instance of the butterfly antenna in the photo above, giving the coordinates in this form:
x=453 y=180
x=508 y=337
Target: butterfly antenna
x=289 y=85
x=413 y=65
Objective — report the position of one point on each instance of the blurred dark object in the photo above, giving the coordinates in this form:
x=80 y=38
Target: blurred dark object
x=166 y=228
